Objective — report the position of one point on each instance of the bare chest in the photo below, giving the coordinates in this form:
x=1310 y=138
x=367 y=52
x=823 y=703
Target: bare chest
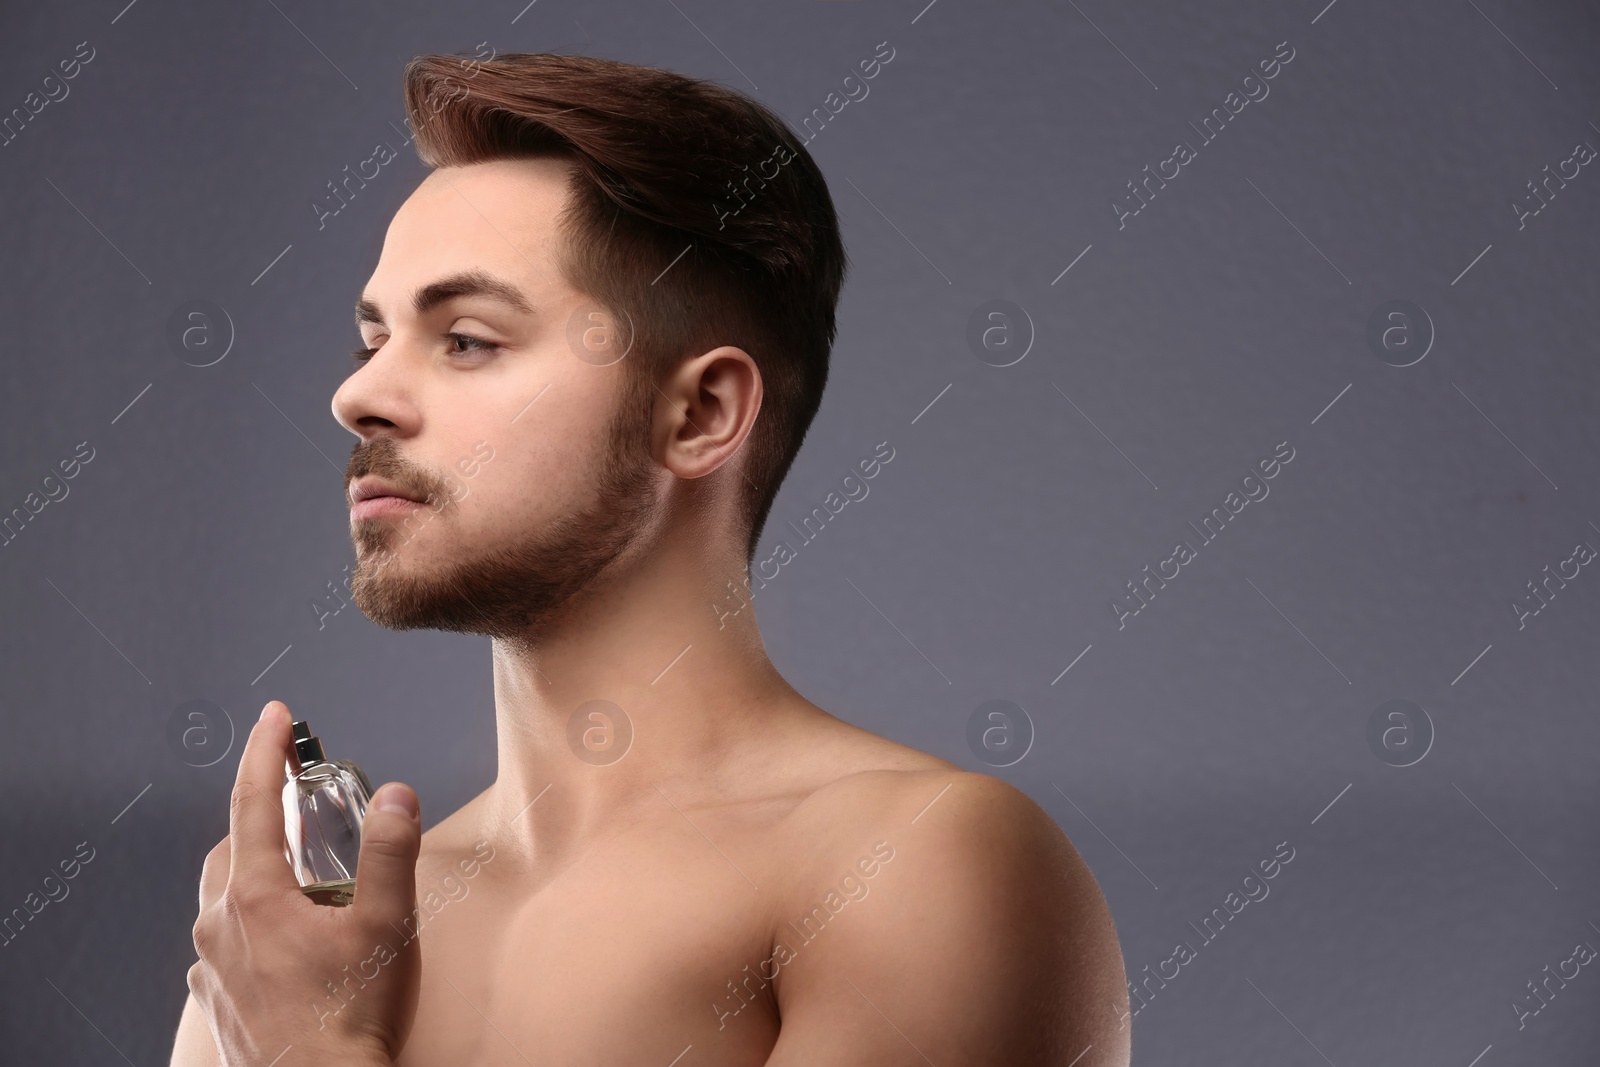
x=638 y=954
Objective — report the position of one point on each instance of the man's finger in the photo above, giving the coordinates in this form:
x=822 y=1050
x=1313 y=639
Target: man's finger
x=255 y=818
x=214 y=874
x=386 y=872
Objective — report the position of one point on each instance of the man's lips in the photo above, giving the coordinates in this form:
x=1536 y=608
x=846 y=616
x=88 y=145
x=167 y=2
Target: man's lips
x=374 y=507
x=373 y=497
x=370 y=486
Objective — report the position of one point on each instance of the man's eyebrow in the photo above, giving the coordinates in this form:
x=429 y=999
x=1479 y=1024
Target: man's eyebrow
x=466 y=283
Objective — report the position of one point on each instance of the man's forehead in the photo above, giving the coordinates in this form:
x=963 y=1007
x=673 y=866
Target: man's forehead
x=493 y=219
x=540 y=181
x=516 y=200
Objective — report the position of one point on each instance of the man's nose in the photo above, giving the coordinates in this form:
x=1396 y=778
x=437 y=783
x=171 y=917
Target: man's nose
x=379 y=395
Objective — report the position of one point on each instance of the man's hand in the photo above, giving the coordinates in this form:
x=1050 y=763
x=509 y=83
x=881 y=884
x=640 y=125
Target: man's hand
x=279 y=973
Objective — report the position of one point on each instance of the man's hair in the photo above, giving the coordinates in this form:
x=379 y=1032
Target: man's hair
x=695 y=217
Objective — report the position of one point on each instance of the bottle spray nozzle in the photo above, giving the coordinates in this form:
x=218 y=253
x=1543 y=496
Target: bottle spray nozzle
x=307 y=748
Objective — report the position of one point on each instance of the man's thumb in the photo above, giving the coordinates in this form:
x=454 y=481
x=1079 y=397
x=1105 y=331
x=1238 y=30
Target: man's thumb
x=386 y=872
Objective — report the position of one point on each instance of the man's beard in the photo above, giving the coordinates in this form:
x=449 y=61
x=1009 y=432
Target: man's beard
x=513 y=593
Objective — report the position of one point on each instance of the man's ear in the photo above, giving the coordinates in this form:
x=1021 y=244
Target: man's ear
x=705 y=409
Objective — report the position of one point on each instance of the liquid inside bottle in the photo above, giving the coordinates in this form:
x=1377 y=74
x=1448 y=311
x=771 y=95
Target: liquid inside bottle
x=323 y=807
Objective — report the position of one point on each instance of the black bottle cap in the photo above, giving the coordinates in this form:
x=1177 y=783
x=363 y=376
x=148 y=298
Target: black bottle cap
x=307 y=749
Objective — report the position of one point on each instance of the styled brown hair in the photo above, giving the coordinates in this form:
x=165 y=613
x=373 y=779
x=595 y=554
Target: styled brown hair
x=695 y=215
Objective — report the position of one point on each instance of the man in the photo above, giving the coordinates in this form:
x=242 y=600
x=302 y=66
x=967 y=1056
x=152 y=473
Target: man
x=591 y=347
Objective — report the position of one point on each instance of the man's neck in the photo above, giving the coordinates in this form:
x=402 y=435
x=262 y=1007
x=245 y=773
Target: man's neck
x=647 y=691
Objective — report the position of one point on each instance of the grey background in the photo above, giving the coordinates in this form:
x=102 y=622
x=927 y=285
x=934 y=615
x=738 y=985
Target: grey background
x=1226 y=317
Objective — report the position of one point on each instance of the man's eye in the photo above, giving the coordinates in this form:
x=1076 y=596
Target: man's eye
x=471 y=344
x=467 y=342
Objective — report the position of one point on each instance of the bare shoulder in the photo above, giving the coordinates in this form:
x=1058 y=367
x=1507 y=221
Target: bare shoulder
x=869 y=784
x=983 y=828
x=952 y=904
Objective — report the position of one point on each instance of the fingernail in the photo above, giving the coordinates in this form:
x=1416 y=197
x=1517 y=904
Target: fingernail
x=266 y=710
x=398 y=798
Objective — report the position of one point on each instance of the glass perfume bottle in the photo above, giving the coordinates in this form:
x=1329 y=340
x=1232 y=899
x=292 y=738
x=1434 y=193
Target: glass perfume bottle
x=323 y=806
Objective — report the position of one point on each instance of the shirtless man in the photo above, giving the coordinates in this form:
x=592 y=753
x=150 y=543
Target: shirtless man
x=567 y=440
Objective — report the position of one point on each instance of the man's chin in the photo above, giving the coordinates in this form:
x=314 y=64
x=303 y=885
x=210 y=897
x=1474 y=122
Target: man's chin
x=409 y=605
x=391 y=588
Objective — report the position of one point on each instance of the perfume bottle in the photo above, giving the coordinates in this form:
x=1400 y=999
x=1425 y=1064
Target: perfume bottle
x=323 y=806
